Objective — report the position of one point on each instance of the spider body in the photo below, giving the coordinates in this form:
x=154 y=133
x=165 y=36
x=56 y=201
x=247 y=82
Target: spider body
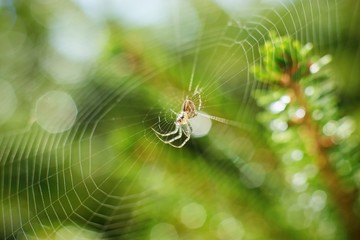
x=188 y=111
x=182 y=124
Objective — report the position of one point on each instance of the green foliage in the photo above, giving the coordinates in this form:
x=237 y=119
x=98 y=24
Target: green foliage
x=306 y=129
x=280 y=55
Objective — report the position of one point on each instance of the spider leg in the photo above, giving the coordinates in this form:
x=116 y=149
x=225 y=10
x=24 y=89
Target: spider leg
x=187 y=133
x=188 y=130
x=167 y=134
x=199 y=107
x=161 y=139
x=160 y=134
x=183 y=143
x=180 y=130
x=198 y=92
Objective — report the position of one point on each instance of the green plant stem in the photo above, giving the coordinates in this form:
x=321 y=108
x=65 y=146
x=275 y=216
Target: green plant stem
x=343 y=199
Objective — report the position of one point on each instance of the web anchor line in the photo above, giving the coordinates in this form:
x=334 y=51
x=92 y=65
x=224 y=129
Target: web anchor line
x=224 y=121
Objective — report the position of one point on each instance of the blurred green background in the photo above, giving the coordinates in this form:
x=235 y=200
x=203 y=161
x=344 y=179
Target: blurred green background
x=82 y=83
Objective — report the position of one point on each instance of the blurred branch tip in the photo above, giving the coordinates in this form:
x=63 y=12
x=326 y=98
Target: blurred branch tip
x=301 y=112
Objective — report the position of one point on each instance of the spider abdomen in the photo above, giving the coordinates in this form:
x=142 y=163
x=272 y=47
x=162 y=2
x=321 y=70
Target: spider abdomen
x=189 y=108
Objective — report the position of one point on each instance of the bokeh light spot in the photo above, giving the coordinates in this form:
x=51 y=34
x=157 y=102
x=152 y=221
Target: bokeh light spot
x=318 y=200
x=309 y=91
x=75 y=37
x=163 y=231
x=300 y=113
x=8 y=101
x=193 y=215
x=285 y=99
x=297 y=155
x=230 y=228
x=277 y=106
x=253 y=175
x=278 y=125
x=63 y=70
x=134 y=13
x=55 y=111
x=72 y=232
x=299 y=182
x=330 y=128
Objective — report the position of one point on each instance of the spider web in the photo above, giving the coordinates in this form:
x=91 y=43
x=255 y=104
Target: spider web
x=78 y=156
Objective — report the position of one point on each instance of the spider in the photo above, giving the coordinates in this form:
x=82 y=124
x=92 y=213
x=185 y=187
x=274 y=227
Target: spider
x=182 y=124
